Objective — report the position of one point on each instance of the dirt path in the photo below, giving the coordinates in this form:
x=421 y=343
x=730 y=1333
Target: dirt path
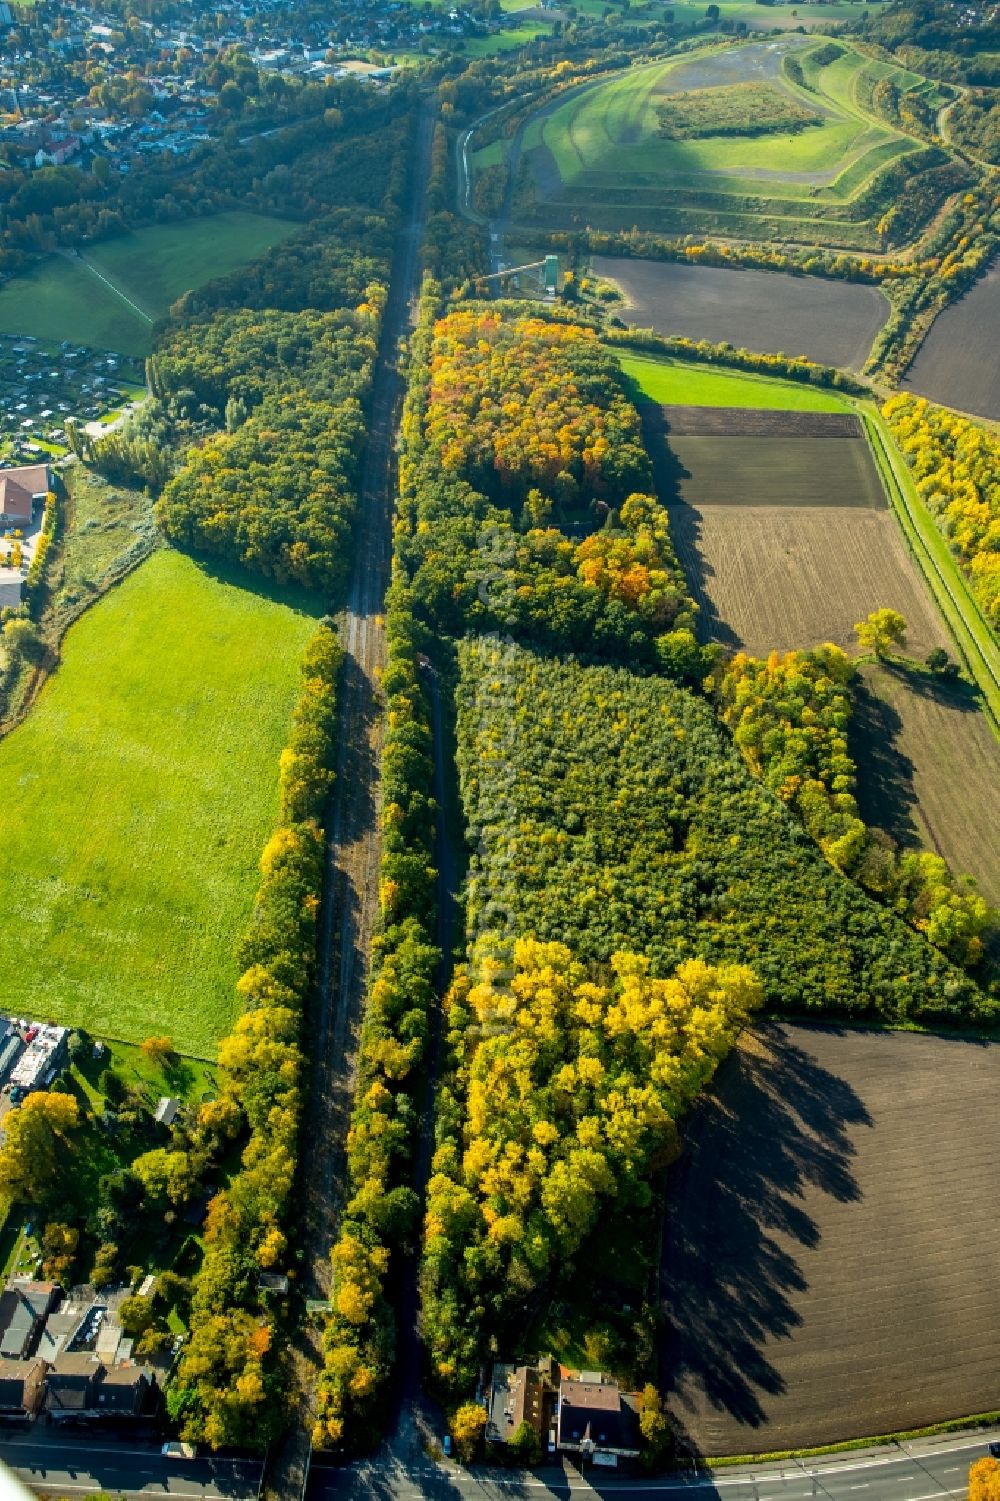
x=353 y=845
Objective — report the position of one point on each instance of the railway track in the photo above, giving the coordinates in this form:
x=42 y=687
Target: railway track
x=353 y=843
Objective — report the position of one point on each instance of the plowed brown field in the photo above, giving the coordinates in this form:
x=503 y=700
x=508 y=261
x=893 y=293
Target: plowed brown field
x=829 y=1254
x=787 y=577
x=929 y=770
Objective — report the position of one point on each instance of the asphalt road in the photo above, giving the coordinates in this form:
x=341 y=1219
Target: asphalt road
x=922 y=1470
x=73 y=1464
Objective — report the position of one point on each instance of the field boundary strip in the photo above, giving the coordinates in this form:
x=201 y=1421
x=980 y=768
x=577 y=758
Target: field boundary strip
x=936 y=562
x=758 y=422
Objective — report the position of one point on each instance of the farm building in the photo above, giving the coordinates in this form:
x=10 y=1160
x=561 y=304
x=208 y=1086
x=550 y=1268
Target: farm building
x=41 y=1060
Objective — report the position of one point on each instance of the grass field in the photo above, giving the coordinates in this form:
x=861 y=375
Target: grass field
x=137 y=798
x=831 y=322
x=923 y=749
x=680 y=381
x=66 y=298
x=599 y=157
x=783 y=1328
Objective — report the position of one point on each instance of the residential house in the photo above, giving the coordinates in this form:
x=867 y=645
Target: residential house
x=81 y=1385
x=11 y=1047
x=19 y=490
x=519 y=1394
x=24 y=1307
x=22 y=1387
x=122 y=1391
x=72 y=1384
x=596 y=1419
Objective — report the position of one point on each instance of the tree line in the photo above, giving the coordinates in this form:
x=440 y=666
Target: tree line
x=955 y=463
x=382 y=1210
x=230 y=1386
x=790 y=717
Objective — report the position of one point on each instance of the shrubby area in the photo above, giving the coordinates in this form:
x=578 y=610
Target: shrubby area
x=742 y=109
x=955 y=463
x=789 y=716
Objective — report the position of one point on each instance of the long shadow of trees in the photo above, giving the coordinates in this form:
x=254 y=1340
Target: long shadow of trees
x=685 y=522
x=774 y=1131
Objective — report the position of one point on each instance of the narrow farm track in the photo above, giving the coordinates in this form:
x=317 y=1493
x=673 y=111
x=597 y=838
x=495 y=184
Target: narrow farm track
x=353 y=839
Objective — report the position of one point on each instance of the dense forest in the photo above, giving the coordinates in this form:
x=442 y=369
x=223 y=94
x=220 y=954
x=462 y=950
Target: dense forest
x=563 y=1094
x=528 y=512
x=277 y=490
x=634 y=823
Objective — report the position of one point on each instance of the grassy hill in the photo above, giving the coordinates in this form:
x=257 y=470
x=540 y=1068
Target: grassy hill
x=629 y=151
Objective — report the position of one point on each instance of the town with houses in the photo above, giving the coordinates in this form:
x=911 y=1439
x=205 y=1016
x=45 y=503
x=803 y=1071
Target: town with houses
x=64 y=1356
x=118 y=92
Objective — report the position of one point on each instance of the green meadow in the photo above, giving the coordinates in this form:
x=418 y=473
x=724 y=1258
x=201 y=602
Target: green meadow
x=137 y=797
x=111 y=294
x=602 y=158
x=681 y=383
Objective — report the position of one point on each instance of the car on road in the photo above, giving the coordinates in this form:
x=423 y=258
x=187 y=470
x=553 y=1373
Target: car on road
x=176 y=1450
x=994 y=1449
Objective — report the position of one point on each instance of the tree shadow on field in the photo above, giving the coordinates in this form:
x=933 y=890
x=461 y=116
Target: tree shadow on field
x=685 y=525
x=774 y=1132
x=952 y=693
x=885 y=791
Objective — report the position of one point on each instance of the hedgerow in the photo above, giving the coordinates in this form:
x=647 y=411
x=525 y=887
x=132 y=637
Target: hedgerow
x=382 y=1207
x=955 y=463
x=229 y=1386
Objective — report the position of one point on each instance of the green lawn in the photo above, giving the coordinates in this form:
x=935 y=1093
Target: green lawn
x=677 y=382
x=65 y=298
x=137 y=797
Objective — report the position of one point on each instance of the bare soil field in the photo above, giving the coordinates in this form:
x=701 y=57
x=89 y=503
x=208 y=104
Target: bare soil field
x=785 y=577
x=756 y=422
x=958 y=363
x=929 y=769
x=833 y=323
x=828 y=1251
x=779 y=471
